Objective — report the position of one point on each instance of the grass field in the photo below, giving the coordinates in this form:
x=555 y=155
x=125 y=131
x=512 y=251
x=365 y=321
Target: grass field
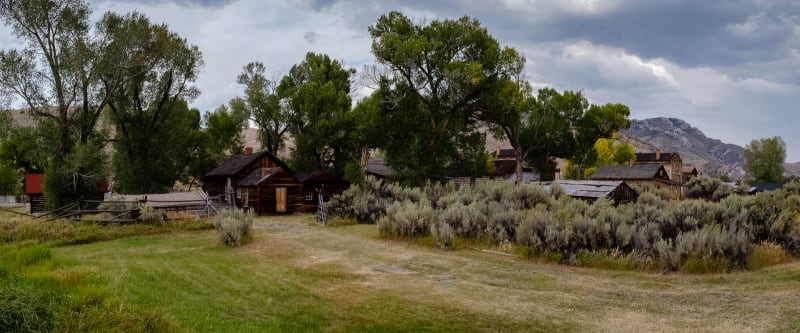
x=297 y=276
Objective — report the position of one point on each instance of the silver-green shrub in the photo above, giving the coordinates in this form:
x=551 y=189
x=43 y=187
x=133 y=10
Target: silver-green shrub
x=407 y=219
x=150 y=215
x=233 y=225
x=442 y=234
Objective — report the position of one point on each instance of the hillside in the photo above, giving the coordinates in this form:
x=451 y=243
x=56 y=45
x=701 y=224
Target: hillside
x=710 y=156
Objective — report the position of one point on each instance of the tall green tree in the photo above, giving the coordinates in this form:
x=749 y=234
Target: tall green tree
x=433 y=94
x=598 y=122
x=154 y=124
x=552 y=127
x=511 y=106
x=220 y=138
x=262 y=104
x=763 y=160
x=608 y=153
x=317 y=94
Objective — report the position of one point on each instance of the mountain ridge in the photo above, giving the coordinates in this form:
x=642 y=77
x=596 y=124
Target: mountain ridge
x=710 y=156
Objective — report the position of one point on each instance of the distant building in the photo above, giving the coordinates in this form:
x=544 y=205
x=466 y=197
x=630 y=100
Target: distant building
x=591 y=190
x=654 y=174
x=671 y=162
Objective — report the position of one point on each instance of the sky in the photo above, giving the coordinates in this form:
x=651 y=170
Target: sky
x=730 y=68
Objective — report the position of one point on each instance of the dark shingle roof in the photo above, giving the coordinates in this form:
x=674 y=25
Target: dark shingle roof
x=590 y=188
x=257 y=176
x=632 y=172
x=651 y=157
x=765 y=187
x=238 y=163
x=505 y=153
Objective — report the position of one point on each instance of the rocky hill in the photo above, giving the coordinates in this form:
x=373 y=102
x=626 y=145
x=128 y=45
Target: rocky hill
x=710 y=156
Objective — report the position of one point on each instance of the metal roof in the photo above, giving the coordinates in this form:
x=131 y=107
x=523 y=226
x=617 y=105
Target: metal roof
x=630 y=172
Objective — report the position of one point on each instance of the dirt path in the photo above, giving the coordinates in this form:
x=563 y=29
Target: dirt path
x=520 y=291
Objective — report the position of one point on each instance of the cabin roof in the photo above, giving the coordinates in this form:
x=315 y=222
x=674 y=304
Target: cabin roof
x=255 y=177
x=628 y=172
x=590 y=188
x=377 y=166
x=238 y=163
x=651 y=157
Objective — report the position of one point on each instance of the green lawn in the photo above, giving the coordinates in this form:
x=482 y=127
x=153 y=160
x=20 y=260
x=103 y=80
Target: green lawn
x=297 y=276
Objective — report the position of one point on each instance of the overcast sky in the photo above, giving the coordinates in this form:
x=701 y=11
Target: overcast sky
x=730 y=68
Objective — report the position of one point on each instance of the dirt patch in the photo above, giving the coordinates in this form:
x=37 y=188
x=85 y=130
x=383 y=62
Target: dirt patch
x=390 y=269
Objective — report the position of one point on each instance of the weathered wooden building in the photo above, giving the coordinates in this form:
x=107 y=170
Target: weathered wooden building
x=591 y=190
x=263 y=183
x=653 y=174
x=33 y=188
x=672 y=163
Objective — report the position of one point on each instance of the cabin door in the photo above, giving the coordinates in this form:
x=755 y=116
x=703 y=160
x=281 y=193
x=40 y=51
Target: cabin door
x=280 y=200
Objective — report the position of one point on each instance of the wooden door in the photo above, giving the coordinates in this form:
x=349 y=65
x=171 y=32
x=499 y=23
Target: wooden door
x=280 y=200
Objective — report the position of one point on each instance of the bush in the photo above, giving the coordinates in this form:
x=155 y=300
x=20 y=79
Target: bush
x=407 y=219
x=443 y=235
x=119 y=209
x=707 y=188
x=150 y=215
x=767 y=254
x=233 y=226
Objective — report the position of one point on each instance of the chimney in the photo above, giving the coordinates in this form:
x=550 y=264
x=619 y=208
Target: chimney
x=497 y=152
x=630 y=162
x=248 y=150
x=658 y=154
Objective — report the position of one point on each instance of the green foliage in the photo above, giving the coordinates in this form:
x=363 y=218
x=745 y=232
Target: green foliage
x=608 y=153
x=763 y=160
x=82 y=173
x=221 y=139
x=317 y=96
x=9 y=179
x=156 y=130
x=434 y=101
x=233 y=226
x=262 y=104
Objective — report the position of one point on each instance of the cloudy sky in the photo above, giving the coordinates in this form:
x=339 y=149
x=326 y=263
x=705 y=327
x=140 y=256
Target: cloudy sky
x=730 y=68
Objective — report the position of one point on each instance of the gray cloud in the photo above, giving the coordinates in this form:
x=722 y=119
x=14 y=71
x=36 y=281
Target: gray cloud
x=730 y=68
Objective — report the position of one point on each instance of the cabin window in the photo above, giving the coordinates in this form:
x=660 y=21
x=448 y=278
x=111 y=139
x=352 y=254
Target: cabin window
x=308 y=196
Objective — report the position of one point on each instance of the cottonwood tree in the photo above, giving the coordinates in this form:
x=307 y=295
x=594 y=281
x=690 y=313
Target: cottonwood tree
x=438 y=73
x=155 y=127
x=510 y=106
x=262 y=104
x=763 y=160
x=54 y=76
x=317 y=94
x=608 y=152
x=598 y=122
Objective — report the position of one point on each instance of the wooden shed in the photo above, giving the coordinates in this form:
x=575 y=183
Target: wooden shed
x=314 y=182
x=33 y=188
x=592 y=190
